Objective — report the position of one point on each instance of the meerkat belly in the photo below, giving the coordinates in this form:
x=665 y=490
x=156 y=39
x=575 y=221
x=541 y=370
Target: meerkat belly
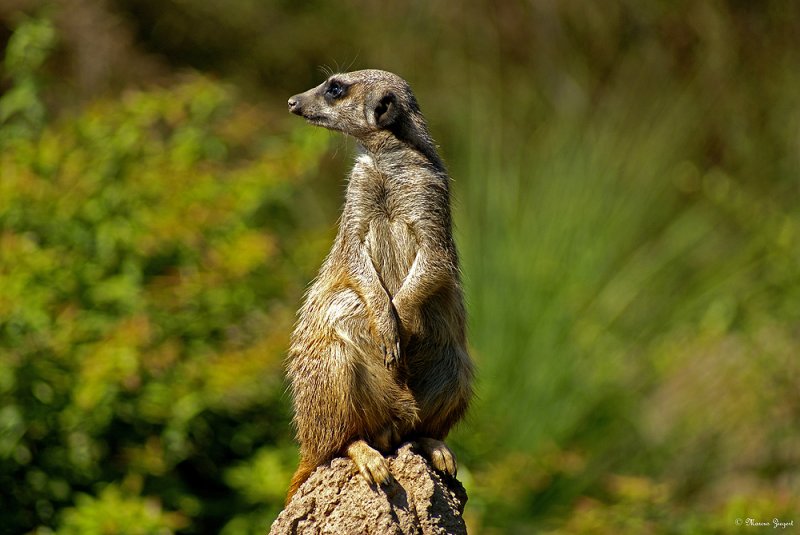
x=392 y=248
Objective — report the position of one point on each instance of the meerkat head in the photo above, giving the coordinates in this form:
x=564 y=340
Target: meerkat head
x=360 y=103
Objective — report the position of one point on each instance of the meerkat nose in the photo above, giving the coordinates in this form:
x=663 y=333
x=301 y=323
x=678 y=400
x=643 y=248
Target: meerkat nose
x=294 y=105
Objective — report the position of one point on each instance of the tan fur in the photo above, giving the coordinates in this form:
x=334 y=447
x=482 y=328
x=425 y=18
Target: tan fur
x=379 y=355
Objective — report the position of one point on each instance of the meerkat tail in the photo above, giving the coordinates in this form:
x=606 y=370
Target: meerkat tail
x=300 y=476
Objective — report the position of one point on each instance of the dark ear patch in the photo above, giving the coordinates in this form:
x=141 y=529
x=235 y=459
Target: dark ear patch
x=386 y=110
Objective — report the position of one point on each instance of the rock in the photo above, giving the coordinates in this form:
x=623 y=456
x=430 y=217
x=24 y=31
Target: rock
x=336 y=500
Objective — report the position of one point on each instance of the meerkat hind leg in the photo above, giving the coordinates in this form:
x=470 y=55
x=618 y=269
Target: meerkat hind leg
x=370 y=463
x=440 y=456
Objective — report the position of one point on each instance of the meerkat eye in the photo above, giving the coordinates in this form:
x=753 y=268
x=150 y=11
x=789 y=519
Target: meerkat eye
x=334 y=90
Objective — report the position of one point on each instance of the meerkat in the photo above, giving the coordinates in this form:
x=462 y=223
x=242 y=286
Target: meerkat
x=378 y=355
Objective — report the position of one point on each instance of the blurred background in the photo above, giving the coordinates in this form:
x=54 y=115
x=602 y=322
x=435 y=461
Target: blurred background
x=626 y=182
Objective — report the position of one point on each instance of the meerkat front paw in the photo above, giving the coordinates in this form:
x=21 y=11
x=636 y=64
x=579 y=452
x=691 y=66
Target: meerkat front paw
x=440 y=456
x=370 y=463
x=390 y=343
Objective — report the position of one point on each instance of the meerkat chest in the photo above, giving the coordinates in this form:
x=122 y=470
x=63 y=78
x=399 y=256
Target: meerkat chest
x=392 y=247
x=383 y=207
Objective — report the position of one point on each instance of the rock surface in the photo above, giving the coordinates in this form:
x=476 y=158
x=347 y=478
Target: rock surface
x=335 y=499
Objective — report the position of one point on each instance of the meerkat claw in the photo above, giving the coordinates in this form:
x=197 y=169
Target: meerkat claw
x=370 y=463
x=378 y=471
x=391 y=354
x=440 y=456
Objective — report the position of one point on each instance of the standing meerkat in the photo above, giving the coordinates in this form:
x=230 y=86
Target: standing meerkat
x=378 y=355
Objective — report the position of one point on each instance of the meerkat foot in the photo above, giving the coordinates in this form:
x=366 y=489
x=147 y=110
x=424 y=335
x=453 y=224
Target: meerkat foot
x=440 y=456
x=370 y=463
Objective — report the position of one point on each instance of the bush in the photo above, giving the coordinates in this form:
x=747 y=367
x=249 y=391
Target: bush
x=148 y=280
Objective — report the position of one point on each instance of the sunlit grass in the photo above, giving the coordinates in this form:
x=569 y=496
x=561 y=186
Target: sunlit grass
x=587 y=244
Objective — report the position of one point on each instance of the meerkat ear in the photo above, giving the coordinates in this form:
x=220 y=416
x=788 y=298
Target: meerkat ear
x=386 y=110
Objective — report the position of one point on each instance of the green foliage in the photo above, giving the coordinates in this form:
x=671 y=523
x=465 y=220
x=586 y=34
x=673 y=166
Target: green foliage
x=260 y=479
x=114 y=512
x=148 y=280
x=21 y=111
x=633 y=298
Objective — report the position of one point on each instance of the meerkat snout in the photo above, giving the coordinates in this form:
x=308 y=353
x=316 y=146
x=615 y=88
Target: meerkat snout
x=294 y=105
